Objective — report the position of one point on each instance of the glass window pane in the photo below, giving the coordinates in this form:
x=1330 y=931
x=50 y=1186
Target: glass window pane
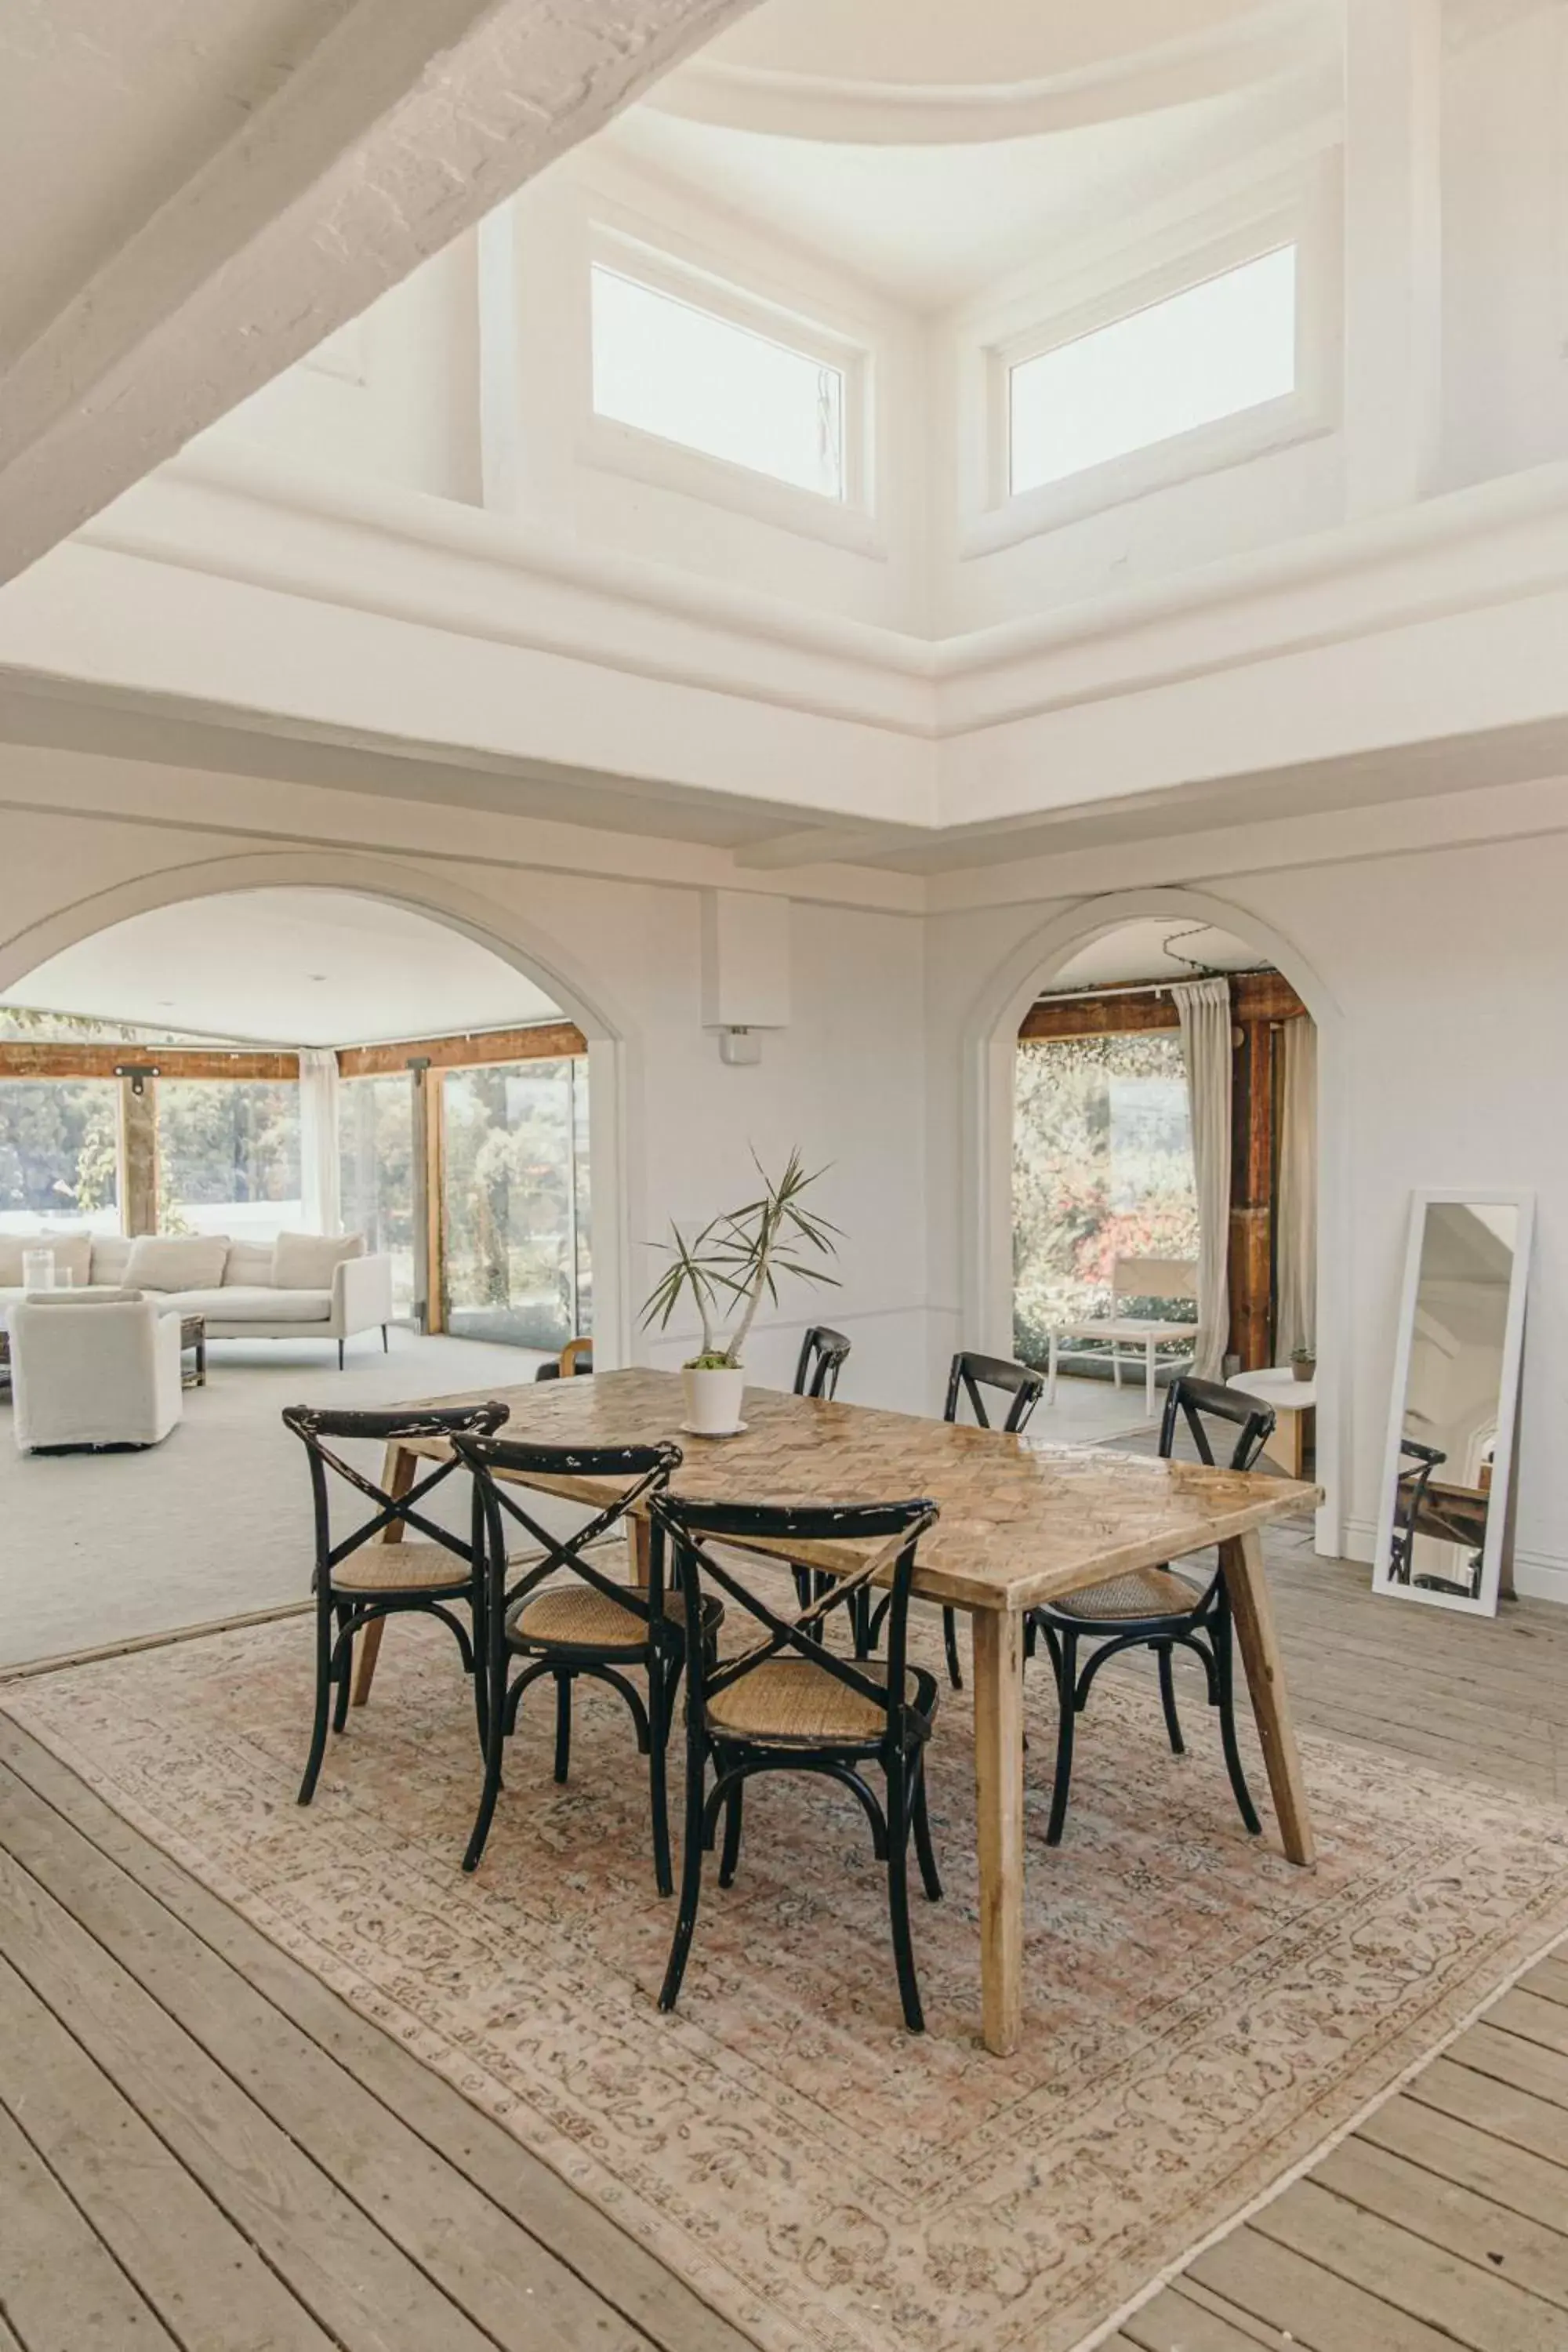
x=690 y=376
x=59 y=1154
x=1102 y=1168
x=511 y=1198
x=375 y=1157
x=228 y=1157
x=1205 y=353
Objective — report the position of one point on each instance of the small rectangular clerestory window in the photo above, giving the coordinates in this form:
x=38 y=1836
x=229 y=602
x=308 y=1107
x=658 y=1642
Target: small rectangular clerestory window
x=666 y=365
x=1216 y=349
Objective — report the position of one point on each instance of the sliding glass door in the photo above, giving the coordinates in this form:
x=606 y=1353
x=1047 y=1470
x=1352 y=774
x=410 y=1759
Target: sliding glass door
x=514 y=1188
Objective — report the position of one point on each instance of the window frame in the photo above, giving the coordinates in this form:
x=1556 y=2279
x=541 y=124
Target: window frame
x=1302 y=213
x=613 y=446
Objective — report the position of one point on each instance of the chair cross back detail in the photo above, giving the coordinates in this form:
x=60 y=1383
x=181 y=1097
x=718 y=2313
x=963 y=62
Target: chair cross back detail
x=1198 y=1401
x=972 y=1373
x=899 y=1526
x=314 y=1427
x=644 y=1468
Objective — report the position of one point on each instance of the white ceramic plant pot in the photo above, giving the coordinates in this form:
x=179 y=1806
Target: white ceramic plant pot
x=714 y=1400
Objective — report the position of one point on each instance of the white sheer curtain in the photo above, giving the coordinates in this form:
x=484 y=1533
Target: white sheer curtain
x=1296 y=1212
x=319 y=1165
x=1205 y=1009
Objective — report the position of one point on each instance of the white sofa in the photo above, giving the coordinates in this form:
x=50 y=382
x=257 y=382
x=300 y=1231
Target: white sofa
x=93 y=1368
x=303 y=1287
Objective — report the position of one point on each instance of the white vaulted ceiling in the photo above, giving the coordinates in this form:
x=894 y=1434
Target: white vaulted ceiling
x=288 y=967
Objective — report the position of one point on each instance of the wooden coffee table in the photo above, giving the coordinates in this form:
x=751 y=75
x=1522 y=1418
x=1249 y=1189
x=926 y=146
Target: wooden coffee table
x=193 y=1341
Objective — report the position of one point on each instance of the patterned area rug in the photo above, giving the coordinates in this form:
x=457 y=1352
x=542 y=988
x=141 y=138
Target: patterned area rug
x=1201 y=2014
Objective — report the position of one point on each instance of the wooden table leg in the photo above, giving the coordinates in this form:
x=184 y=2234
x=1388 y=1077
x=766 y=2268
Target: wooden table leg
x=1246 y=1581
x=999 y=1823
x=639 y=1539
x=396 y=1477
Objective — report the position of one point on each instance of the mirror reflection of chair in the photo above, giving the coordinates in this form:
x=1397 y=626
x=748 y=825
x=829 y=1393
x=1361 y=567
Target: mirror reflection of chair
x=1409 y=1497
x=1158 y=1608
x=788 y=1704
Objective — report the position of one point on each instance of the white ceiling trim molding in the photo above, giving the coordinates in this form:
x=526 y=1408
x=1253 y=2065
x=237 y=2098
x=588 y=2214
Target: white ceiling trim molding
x=1495 y=544
x=1286 y=38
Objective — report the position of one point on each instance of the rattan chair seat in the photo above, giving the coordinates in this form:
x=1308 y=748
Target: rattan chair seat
x=1141 y=1592
x=790 y=1702
x=402 y=1568
x=580 y=1617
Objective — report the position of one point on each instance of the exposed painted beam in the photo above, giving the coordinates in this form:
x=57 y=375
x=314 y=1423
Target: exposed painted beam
x=410 y=120
x=823 y=845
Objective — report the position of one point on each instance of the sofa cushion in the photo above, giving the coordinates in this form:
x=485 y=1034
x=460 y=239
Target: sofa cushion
x=306 y=1261
x=111 y=1257
x=249 y=1263
x=85 y=1297
x=176 y=1261
x=73 y=1256
x=246 y=1302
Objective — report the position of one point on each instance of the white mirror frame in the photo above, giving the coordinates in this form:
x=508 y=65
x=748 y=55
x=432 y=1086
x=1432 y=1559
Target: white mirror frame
x=1486 y=1601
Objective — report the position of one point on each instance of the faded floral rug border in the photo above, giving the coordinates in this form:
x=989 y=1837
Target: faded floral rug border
x=1201 y=2014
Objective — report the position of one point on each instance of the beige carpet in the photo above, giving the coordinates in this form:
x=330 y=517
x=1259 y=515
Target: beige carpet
x=1201 y=2014
x=216 y=1522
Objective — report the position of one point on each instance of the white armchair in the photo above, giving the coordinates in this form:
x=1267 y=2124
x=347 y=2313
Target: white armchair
x=361 y=1297
x=94 y=1368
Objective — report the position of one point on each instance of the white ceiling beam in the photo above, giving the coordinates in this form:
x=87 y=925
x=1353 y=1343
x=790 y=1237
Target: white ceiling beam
x=410 y=120
x=823 y=845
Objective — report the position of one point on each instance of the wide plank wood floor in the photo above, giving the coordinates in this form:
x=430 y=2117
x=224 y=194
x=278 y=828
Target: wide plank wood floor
x=202 y=2148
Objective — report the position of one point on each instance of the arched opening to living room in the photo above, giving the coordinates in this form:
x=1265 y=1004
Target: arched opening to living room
x=250 y=1067
x=1155 y=1171
x=315 y=1098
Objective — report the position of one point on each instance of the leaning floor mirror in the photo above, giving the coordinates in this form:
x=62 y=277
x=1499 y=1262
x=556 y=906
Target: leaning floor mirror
x=1447 y=1478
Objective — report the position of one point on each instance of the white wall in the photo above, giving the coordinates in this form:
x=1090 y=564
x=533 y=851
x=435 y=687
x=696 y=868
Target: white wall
x=844 y=1081
x=392 y=396
x=1505 y=245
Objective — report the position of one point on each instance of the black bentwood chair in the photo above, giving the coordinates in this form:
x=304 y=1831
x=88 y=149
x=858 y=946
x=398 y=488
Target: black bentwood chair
x=971 y=1374
x=788 y=1704
x=1157 y=1606
x=823 y=1356
x=361 y=1578
x=597 y=1624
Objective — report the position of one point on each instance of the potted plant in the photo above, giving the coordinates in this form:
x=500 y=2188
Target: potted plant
x=1304 y=1363
x=727 y=1269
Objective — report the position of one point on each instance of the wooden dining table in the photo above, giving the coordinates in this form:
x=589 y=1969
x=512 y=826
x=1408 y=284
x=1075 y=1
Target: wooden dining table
x=1022 y=1521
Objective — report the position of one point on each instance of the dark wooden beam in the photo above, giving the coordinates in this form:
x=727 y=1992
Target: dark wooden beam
x=1088 y=1016
x=539 y=1041
x=54 y=1059
x=1251 y=1256
x=1253 y=996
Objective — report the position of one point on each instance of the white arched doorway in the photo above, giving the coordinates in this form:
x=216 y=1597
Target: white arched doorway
x=990 y=1046
x=425 y=889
